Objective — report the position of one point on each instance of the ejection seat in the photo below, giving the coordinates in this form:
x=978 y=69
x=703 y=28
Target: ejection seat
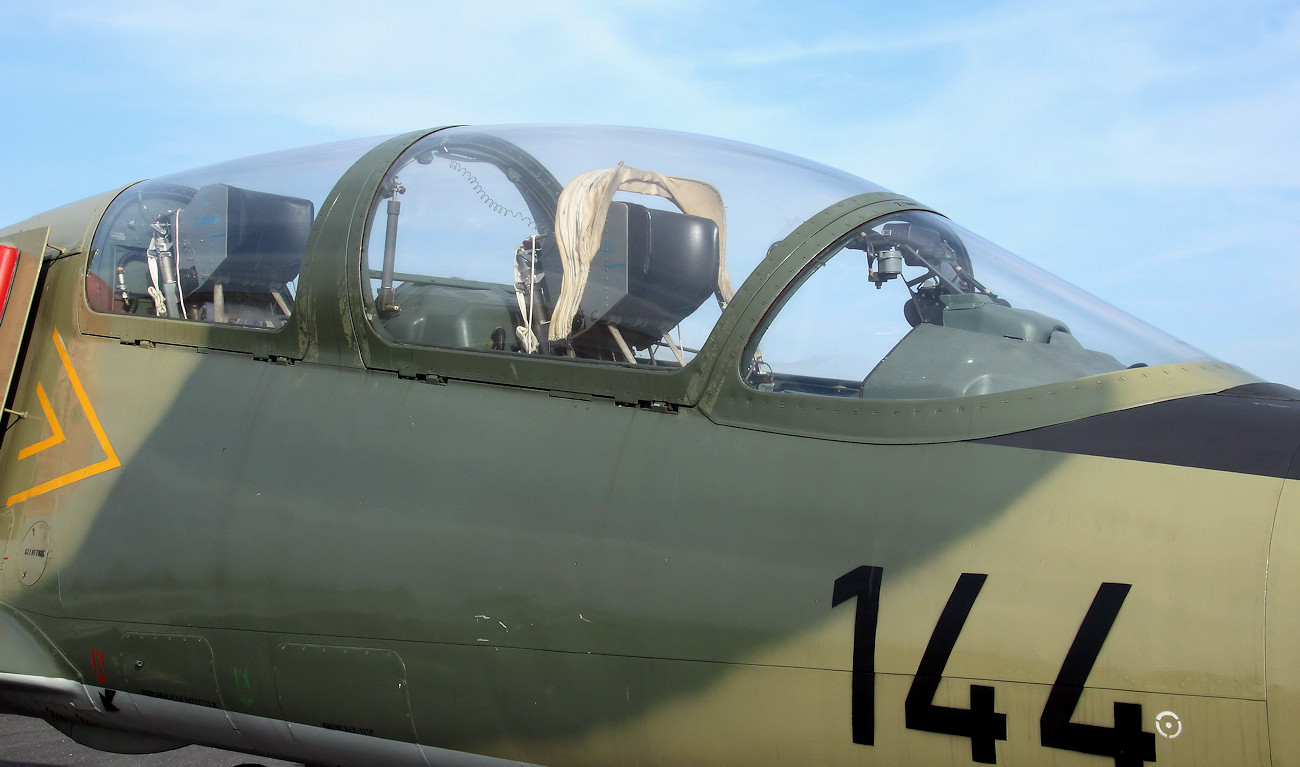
x=227 y=255
x=622 y=275
x=244 y=248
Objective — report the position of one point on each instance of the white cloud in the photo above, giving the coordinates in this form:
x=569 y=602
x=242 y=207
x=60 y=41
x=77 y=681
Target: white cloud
x=355 y=69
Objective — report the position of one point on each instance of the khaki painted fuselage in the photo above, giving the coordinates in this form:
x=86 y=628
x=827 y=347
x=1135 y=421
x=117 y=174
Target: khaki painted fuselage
x=562 y=576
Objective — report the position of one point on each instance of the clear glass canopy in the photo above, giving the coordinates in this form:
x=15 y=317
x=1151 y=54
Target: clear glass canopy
x=617 y=246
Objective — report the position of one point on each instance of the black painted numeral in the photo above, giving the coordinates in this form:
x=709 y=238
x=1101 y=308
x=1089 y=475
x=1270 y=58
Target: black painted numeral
x=981 y=722
x=863 y=583
x=1125 y=742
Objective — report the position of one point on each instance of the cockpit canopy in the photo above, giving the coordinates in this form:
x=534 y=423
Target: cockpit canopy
x=618 y=246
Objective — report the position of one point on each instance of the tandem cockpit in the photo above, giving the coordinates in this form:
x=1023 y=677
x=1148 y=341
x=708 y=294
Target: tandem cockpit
x=620 y=247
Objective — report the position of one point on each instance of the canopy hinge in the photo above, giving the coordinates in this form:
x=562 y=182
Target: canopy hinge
x=657 y=406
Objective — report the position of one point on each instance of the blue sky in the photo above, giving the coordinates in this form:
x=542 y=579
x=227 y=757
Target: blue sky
x=1146 y=151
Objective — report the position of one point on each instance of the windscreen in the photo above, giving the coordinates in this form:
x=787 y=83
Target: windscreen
x=912 y=306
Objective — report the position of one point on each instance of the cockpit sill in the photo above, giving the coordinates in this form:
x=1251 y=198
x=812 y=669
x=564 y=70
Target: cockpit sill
x=966 y=418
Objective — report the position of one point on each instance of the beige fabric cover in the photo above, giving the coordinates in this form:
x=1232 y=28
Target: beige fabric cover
x=580 y=220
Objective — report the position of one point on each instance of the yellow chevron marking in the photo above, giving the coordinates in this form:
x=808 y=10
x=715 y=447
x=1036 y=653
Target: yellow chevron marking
x=110 y=460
